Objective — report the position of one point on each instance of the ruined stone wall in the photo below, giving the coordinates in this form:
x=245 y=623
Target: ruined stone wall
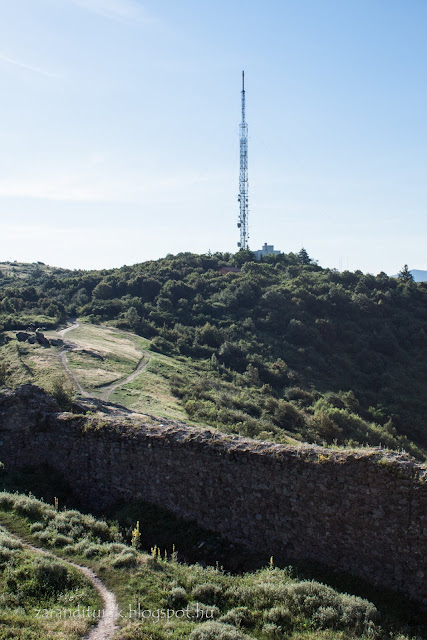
x=362 y=512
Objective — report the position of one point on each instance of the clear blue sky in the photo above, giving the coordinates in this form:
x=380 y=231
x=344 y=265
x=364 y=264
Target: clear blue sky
x=119 y=129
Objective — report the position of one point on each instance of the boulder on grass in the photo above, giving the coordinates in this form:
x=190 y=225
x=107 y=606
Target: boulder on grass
x=40 y=337
x=22 y=336
x=56 y=342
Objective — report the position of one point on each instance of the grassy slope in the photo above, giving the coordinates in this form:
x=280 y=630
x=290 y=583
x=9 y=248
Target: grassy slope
x=173 y=387
x=149 y=392
x=104 y=355
x=33 y=586
x=25 y=271
x=30 y=363
x=283 y=347
x=276 y=605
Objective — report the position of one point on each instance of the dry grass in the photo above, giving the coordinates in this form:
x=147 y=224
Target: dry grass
x=106 y=342
x=101 y=356
x=151 y=393
x=92 y=374
x=148 y=393
x=30 y=363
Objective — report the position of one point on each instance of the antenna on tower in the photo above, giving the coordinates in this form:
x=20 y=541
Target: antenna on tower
x=243 y=179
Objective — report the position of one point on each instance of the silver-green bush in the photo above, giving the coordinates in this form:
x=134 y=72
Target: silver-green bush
x=238 y=617
x=217 y=631
x=208 y=593
x=177 y=598
x=279 y=616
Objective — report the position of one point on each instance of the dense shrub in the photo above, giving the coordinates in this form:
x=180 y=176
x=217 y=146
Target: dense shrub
x=207 y=593
x=41 y=578
x=272 y=630
x=318 y=602
x=177 y=598
x=238 y=617
x=60 y=528
x=217 y=631
x=124 y=560
x=279 y=616
x=30 y=508
x=9 y=542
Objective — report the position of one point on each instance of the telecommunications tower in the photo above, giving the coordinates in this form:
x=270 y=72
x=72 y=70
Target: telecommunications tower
x=243 y=179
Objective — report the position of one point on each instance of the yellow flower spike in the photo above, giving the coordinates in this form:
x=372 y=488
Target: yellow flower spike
x=136 y=537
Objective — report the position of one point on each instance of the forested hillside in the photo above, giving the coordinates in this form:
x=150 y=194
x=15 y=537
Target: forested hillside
x=287 y=346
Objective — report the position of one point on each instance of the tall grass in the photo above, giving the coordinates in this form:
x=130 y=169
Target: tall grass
x=32 y=586
x=213 y=604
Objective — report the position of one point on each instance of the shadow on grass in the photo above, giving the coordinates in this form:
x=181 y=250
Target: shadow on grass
x=197 y=545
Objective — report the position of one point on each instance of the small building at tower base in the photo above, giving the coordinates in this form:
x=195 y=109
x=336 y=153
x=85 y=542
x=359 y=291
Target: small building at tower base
x=267 y=250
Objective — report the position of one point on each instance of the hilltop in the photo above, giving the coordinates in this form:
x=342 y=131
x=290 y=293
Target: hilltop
x=282 y=348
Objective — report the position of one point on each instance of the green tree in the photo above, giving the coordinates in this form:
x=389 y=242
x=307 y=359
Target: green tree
x=243 y=256
x=103 y=291
x=209 y=334
x=303 y=257
x=132 y=318
x=405 y=275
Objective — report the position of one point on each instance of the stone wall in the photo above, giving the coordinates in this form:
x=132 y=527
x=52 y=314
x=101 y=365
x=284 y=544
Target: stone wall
x=364 y=512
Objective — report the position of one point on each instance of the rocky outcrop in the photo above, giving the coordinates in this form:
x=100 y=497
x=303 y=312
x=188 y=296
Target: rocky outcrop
x=22 y=336
x=38 y=338
x=364 y=511
x=56 y=342
x=41 y=339
x=24 y=409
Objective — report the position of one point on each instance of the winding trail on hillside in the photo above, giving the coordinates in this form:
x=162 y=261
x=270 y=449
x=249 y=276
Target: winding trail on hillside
x=142 y=364
x=107 y=626
x=109 y=388
x=63 y=358
x=74 y=325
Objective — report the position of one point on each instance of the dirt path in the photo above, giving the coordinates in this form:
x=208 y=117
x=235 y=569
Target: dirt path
x=143 y=364
x=106 y=627
x=74 y=325
x=109 y=389
x=63 y=358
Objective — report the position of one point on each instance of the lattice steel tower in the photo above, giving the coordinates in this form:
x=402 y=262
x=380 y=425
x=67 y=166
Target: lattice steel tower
x=243 y=180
